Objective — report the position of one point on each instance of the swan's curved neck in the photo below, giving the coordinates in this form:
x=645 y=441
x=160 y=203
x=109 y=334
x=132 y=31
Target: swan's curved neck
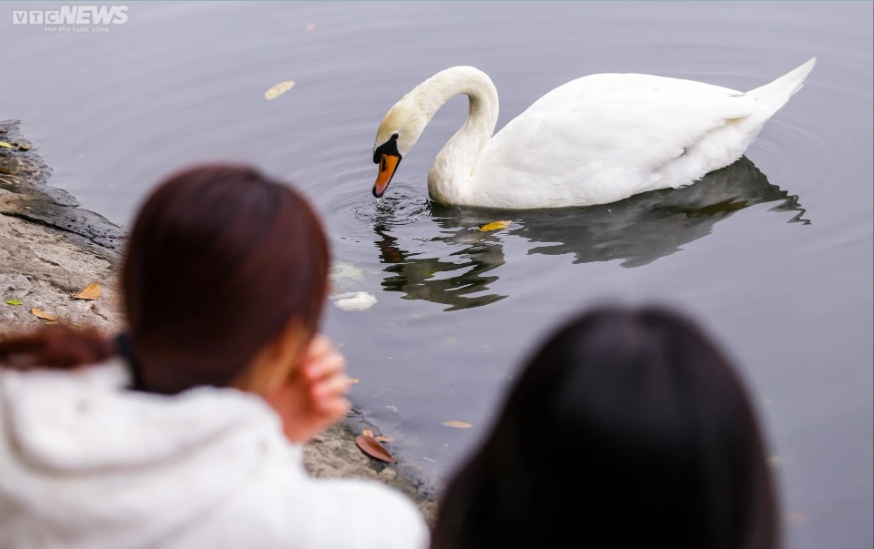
x=450 y=172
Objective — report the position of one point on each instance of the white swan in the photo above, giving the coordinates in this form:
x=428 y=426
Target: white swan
x=594 y=140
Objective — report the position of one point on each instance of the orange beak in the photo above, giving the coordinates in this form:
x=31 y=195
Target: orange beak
x=388 y=164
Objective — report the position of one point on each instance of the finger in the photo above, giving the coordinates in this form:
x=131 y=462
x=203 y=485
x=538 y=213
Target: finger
x=337 y=410
x=329 y=365
x=318 y=346
x=331 y=388
x=326 y=402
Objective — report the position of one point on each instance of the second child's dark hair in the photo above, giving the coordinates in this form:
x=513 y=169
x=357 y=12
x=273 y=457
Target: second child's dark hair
x=627 y=429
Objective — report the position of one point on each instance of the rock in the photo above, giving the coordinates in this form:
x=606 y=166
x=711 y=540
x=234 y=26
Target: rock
x=15 y=282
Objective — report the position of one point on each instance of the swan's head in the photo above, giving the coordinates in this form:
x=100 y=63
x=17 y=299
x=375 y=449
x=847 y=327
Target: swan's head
x=398 y=132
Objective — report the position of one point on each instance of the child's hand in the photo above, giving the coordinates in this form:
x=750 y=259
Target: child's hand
x=313 y=398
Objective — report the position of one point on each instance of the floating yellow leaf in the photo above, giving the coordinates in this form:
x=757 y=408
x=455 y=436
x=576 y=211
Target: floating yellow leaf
x=5 y=145
x=796 y=517
x=43 y=315
x=367 y=433
x=278 y=89
x=457 y=424
x=354 y=380
x=310 y=27
x=495 y=226
x=91 y=292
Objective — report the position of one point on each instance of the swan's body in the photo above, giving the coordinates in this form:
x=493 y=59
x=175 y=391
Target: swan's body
x=594 y=140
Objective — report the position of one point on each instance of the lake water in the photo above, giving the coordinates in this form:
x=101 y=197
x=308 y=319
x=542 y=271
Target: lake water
x=773 y=254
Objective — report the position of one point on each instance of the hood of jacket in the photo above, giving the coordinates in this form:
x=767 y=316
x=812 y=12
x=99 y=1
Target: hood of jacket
x=85 y=462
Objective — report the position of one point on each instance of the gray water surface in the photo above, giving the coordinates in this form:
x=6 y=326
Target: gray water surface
x=774 y=254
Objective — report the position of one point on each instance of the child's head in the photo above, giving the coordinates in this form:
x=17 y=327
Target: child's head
x=222 y=263
x=628 y=428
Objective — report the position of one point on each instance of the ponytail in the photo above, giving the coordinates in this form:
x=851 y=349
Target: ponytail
x=56 y=347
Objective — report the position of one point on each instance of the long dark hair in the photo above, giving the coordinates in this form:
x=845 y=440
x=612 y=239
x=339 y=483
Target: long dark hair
x=627 y=429
x=219 y=260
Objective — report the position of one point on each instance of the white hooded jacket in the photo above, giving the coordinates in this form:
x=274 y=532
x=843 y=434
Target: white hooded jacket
x=87 y=464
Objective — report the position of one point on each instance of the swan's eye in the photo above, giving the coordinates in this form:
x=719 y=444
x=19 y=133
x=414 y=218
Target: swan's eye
x=384 y=166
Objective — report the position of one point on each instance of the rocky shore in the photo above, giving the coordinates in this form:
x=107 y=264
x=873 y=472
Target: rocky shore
x=51 y=249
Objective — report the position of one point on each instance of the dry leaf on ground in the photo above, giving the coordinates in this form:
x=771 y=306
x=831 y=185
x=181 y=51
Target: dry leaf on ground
x=70 y=322
x=457 y=424
x=43 y=315
x=91 y=292
x=367 y=433
x=495 y=226
x=373 y=449
x=13 y=302
x=278 y=89
x=5 y=145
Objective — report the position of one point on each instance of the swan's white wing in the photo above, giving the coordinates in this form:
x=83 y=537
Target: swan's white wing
x=603 y=137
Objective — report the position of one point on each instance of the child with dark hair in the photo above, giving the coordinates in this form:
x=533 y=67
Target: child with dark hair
x=187 y=430
x=627 y=429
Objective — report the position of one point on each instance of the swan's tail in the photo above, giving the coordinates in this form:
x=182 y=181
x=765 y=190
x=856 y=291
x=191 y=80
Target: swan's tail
x=776 y=94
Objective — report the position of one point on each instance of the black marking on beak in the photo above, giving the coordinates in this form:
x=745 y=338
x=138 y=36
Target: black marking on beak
x=389 y=147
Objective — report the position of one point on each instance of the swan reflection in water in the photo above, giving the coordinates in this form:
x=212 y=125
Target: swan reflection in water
x=638 y=231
